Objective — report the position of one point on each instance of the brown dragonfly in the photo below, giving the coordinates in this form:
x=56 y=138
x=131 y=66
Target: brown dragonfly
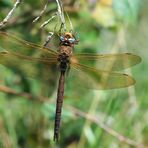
x=15 y=52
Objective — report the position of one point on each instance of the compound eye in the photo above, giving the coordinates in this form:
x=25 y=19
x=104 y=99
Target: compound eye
x=71 y=40
x=62 y=38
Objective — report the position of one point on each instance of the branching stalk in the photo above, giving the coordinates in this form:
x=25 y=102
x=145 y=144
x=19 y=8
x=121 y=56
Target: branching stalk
x=9 y=15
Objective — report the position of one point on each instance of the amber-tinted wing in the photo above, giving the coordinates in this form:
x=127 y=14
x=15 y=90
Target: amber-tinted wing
x=29 y=66
x=14 y=44
x=111 y=62
x=25 y=56
x=98 y=79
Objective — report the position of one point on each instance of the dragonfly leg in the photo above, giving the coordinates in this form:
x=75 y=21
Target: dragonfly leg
x=48 y=39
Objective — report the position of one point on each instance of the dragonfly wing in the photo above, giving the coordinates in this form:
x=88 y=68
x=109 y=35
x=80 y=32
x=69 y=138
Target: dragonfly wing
x=107 y=62
x=24 y=56
x=13 y=44
x=97 y=79
x=29 y=66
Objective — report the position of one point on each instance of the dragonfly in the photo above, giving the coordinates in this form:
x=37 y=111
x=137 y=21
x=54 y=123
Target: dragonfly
x=16 y=52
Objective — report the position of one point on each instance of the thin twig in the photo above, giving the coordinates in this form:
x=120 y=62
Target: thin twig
x=9 y=15
x=109 y=130
x=29 y=96
x=47 y=22
x=61 y=13
x=41 y=13
x=17 y=21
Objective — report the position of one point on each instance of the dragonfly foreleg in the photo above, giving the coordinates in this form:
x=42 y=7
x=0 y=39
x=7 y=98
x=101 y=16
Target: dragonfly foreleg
x=48 y=39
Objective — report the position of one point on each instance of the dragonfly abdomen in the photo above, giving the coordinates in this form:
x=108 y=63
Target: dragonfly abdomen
x=60 y=96
x=63 y=59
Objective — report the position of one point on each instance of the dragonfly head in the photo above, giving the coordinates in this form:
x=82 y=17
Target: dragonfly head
x=68 y=39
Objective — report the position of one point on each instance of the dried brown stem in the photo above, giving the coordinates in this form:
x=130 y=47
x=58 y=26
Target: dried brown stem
x=17 y=21
x=41 y=13
x=21 y=94
x=109 y=130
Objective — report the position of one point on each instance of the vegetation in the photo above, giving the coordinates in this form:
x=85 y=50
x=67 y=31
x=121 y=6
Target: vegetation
x=90 y=118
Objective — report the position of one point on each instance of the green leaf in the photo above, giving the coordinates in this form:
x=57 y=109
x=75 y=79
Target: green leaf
x=126 y=10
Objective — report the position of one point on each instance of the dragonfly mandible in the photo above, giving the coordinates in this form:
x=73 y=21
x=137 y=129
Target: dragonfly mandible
x=16 y=52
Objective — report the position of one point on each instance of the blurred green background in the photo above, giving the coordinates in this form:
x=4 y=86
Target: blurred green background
x=121 y=115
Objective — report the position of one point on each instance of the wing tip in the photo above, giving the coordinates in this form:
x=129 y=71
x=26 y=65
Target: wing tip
x=3 y=52
x=139 y=59
x=131 y=81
